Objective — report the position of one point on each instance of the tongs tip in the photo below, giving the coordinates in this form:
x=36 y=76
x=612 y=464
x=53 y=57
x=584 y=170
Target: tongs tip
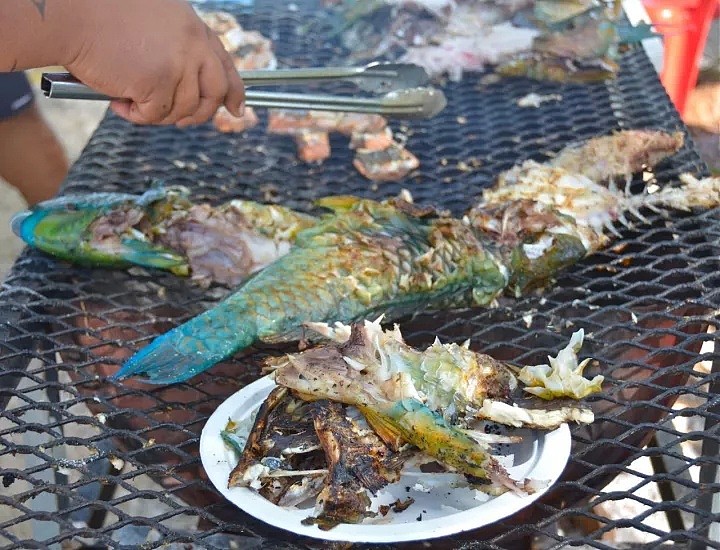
x=397 y=76
x=429 y=102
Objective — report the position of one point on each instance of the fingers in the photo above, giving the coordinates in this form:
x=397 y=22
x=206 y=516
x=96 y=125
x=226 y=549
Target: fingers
x=142 y=112
x=193 y=96
x=154 y=108
x=121 y=107
x=213 y=86
x=151 y=106
x=187 y=97
x=235 y=97
x=207 y=108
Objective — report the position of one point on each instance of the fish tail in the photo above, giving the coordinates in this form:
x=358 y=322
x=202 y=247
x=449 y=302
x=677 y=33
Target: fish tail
x=384 y=427
x=189 y=349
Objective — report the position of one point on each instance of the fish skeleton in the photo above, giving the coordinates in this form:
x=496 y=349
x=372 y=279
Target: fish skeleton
x=394 y=258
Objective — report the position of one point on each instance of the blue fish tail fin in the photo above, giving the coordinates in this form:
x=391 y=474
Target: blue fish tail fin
x=189 y=349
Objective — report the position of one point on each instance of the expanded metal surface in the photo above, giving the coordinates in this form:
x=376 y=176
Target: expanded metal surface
x=87 y=461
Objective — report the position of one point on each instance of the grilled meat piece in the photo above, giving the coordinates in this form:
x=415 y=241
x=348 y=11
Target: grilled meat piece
x=389 y=164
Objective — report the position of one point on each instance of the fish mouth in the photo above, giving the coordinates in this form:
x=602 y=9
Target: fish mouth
x=17 y=222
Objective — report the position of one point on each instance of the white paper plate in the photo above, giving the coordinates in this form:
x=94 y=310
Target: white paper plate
x=439 y=510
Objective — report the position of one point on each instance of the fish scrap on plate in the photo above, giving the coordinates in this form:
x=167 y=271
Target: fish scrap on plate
x=364 y=258
x=304 y=443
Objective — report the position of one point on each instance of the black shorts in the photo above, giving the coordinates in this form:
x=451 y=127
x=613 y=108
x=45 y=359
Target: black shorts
x=16 y=94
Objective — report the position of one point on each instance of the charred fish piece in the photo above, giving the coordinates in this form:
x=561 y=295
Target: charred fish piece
x=282 y=459
x=358 y=461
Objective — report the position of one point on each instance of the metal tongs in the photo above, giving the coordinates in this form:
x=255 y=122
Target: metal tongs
x=402 y=86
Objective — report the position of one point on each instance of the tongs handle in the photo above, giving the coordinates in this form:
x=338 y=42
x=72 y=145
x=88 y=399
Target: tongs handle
x=375 y=77
x=410 y=103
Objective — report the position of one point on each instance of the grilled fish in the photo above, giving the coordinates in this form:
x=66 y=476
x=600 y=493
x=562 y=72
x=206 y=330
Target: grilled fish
x=358 y=462
x=282 y=458
x=426 y=401
x=560 y=40
x=297 y=451
x=393 y=257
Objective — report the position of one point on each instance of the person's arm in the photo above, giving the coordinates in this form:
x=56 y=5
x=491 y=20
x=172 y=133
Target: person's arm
x=32 y=34
x=157 y=53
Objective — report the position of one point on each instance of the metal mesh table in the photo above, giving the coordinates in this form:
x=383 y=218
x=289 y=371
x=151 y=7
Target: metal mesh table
x=89 y=462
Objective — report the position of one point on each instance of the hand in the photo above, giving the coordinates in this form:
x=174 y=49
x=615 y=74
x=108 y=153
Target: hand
x=159 y=55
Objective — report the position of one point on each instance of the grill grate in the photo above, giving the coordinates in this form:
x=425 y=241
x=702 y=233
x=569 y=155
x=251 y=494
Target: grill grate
x=120 y=461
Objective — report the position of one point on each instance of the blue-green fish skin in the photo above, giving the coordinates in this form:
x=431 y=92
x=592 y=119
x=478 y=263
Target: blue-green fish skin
x=162 y=229
x=430 y=432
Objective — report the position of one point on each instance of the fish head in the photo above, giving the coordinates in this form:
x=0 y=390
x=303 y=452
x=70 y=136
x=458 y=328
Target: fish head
x=56 y=232
x=62 y=226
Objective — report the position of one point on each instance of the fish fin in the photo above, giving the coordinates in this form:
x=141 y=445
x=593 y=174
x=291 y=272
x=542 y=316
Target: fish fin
x=451 y=446
x=634 y=34
x=159 y=191
x=635 y=212
x=338 y=203
x=156 y=192
x=189 y=349
x=383 y=427
x=149 y=255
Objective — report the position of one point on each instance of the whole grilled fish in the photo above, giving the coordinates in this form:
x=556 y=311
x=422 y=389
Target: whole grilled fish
x=162 y=229
x=394 y=258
